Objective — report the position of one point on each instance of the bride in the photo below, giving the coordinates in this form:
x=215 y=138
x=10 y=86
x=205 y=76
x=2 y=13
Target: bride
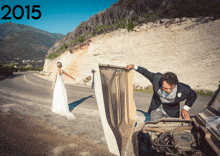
x=60 y=101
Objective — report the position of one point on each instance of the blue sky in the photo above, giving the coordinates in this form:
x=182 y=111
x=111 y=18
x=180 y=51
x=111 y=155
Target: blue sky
x=58 y=16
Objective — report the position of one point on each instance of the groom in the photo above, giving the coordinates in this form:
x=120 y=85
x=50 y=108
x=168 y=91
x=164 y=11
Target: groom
x=168 y=93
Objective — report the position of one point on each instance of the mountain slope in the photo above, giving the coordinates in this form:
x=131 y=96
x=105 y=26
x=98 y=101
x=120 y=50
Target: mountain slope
x=24 y=42
x=188 y=48
x=130 y=13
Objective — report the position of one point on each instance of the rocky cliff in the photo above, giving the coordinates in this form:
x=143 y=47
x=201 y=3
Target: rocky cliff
x=190 y=47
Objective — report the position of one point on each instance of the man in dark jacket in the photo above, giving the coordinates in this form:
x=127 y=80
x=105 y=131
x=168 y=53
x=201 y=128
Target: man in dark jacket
x=168 y=93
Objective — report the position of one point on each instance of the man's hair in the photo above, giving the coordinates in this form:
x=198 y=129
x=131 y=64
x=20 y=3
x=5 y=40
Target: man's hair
x=170 y=78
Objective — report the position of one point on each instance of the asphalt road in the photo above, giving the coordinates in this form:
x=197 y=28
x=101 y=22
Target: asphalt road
x=27 y=94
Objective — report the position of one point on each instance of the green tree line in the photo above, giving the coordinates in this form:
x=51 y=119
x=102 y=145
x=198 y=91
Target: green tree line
x=8 y=69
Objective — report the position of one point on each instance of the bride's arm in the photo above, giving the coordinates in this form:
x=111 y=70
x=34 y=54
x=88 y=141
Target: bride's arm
x=54 y=80
x=68 y=75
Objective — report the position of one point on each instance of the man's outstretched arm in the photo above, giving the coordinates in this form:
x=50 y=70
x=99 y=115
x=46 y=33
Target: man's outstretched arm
x=149 y=75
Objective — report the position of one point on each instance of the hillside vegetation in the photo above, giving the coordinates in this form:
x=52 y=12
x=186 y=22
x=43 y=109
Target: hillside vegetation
x=24 y=42
x=126 y=14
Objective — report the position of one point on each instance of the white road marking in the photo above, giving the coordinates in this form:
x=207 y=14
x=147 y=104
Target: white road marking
x=32 y=83
x=26 y=97
x=76 y=110
x=7 y=105
x=26 y=79
x=27 y=103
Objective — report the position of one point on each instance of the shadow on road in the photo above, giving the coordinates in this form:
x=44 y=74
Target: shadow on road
x=2 y=77
x=14 y=76
x=76 y=103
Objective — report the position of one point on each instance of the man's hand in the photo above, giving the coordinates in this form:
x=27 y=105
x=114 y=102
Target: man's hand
x=185 y=114
x=130 y=66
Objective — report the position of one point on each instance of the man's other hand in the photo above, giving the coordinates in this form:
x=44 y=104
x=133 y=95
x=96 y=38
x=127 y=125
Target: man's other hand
x=185 y=114
x=130 y=66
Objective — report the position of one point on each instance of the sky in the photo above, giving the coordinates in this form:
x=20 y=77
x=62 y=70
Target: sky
x=57 y=16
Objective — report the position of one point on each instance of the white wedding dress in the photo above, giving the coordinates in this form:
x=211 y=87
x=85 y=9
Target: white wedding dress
x=60 y=101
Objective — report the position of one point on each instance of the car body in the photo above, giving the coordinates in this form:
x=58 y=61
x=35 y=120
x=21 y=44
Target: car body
x=169 y=136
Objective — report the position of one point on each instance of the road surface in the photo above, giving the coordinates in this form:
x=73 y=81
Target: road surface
x=29 y=95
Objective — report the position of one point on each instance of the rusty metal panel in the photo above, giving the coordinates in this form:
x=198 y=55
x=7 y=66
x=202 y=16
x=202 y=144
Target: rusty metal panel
x=114 y=93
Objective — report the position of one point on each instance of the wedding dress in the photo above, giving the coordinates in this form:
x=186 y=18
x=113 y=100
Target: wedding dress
x=60 y=101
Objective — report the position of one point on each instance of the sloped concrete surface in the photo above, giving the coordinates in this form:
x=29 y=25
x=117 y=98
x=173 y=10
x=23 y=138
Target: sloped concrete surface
x=190 y=48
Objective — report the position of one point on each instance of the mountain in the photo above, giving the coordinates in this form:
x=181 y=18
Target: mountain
x=126 y=14
x=190 y=48
x=24 y=42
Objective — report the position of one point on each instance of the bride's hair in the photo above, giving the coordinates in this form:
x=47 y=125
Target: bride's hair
x=59 y=64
